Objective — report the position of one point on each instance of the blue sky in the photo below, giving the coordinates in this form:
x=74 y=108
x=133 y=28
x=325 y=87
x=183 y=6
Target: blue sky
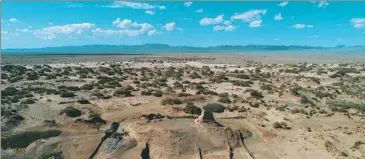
x=43 y=24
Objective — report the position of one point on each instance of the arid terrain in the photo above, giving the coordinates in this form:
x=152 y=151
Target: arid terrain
x=184 y=107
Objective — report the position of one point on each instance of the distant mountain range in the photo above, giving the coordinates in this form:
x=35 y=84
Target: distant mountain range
x=161 y=48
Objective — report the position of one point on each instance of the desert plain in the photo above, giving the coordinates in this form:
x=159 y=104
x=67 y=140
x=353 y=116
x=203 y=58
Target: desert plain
x=183 y=106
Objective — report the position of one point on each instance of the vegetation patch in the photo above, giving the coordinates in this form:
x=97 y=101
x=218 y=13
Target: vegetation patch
x=22 y=140
x=192 y=109
x=346 y=105
x=214 y=107
x=71 y=112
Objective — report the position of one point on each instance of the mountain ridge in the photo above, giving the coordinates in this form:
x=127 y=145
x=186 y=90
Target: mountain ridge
x=156 y=47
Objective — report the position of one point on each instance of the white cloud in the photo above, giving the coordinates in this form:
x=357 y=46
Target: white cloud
x=358 y=22
x=169 y=26
x=14 y=20
x=199 y=10
x=126 y=28
x=301 y=26
x=228 y=28
x=50 y=33
x=278 y=17
x=151 y=32
x=75 y=5
x=322 y=4
x=256 y=24
x=24 y=30
x=50 y=23
x=227 y=22
x=338 y=39
x=249 y=16
x=149 y=12
x=314 y=36
x=134 y=5
x=283 y=4
x=188 y=4
x=276 y=39
x=211 y=21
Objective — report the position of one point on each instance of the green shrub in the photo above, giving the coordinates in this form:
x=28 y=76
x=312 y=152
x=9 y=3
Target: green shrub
x=305 y=100
x=183 y=94
x=242 y=83
x=23 y=139
x=71 y=112
x=83 y=101
x=224 y=100
x=192 y=109
x=321 y=95
x=177 y=101
x=347 y=105
x=67 y=94
x=125 y=92
x=146 y=93
x=157 y=93
x=87 y=87
x=214 y=107
x=28 y=101
x=51 y=155
x=243 y=76
x=225 y=94
x=255 y=93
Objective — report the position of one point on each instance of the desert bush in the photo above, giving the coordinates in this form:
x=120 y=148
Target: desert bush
x=280 y=125
x=83 y=101
x=305 y=100
x=71 y=112
x=4 y=76
x=183 y=94
x=125 y=92
x=157 y=93
x=242 y=83
x=192 y=109
x=225 y=94
x=243 y=76
x=321 y=95
x=23 y=139
x=214 y=107
x=146 y=93
x=87 y=87
x=67 y=94
x=267 y=87
x=93 y=115
x=224 y=100
x=28 y=101
x=51 y=155
x=347 y=105
x=295 y=90
x=295 y=111
x=171 y=101
x=254 y=93
x=32 y=76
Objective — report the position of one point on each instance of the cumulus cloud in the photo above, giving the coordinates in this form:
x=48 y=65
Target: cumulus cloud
x=278 y=17
x=3 y=32
x=283 y=4
x=276 y=39
x=188 y=4
x=301 y=26
x=126 y=28
x=199 y=10
x=171 y=26
x=249 y=16
x=227 y=22
x=14 y=20
x=24 y=30
x=358 y=22
x=228 y=28
x=149 y=12
x=322 y=4
x=256 y=24
x=253 y=17
x=134 y=5
x=211 y=21
x=51 y=32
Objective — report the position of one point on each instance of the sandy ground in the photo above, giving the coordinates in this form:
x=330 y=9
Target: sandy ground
x=319 y=135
